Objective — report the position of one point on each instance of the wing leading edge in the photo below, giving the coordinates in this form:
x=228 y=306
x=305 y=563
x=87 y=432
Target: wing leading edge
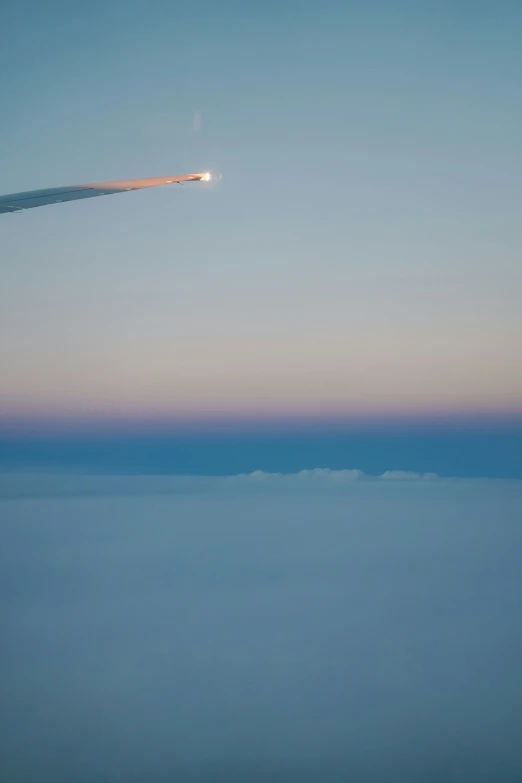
x=15 y=202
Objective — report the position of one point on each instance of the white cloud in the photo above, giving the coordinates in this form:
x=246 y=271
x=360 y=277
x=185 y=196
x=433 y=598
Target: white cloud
x=318 y=475
x=56 y=484
x=325 y=623
x=407 y=475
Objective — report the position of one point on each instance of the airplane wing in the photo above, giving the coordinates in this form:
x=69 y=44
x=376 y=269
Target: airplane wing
x=15 y=202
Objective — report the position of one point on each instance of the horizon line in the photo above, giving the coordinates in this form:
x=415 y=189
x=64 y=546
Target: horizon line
x=108 y=425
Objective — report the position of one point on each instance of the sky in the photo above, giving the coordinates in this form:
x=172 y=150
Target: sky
x=359 y=257
x=261 y=440
x=317 y=626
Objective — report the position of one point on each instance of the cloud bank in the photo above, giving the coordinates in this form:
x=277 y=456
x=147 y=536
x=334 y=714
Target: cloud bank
x=20 y=484
x=324 y=625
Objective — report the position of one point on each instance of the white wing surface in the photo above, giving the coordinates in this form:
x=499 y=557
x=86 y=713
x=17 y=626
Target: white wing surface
x=15 y=202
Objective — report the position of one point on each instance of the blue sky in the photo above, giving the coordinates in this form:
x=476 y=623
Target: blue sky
x=346 y=297
x=359 y=257
x=451 y=449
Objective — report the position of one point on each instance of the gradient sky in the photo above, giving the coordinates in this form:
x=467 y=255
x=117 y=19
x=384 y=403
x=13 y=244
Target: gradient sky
x=360 y=254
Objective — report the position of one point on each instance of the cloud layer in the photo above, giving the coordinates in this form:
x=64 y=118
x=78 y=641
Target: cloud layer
x=322 y=625
x=19 y=484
